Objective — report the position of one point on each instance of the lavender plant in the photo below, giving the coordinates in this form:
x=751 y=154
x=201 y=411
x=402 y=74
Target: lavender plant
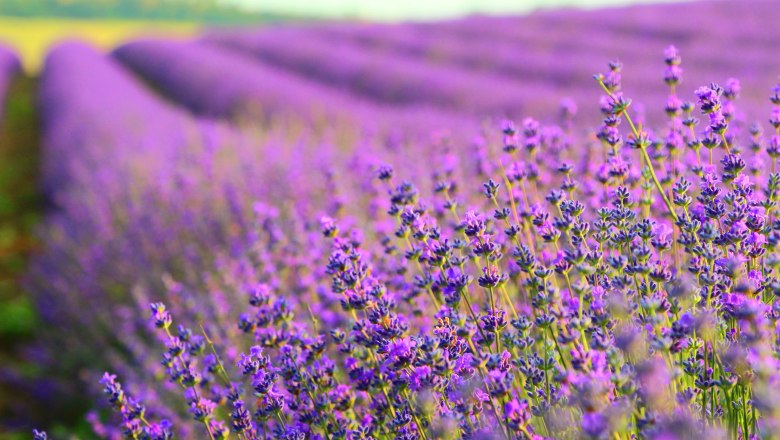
x=535 y=59
x=539 y=285
x=146 y=198
x=192 y=75
x=383 y=77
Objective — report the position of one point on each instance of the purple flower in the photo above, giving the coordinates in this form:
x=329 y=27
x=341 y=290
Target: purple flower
x=112 y=389
x=709 y=98
x=732 y=88
x=594 y=425
x=517 y=413
x=672 y=56
x=400 y=353
x=160 y=316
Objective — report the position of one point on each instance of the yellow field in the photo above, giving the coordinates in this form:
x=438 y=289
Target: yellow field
x=33 y=36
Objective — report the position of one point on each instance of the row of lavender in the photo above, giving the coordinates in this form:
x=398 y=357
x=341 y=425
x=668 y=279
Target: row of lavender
x=486 y=67
x=509 y=65
x=148 y=196
x=387 y=78
x=334 y=282
x=257 y=92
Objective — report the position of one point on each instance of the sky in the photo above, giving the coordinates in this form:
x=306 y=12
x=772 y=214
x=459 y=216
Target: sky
x=416 y=9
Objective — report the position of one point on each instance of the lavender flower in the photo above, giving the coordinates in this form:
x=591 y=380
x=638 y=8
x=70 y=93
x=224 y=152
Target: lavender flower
x=540 y=282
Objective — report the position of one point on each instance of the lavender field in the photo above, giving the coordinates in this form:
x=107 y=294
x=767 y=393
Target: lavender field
x=558 y=225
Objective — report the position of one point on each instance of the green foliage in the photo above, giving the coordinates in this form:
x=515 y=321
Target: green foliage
x=211 y=11
x=20 y=207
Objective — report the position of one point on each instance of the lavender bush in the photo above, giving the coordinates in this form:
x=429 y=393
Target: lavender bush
x=182 y=68
x=519 y=65
x=383 y=77
x=536 y=284
x=308 y=232
x=147 y=197
x=193 y=75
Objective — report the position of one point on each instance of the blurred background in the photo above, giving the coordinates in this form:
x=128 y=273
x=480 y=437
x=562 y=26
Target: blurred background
x=31 y=26
x=466 y=59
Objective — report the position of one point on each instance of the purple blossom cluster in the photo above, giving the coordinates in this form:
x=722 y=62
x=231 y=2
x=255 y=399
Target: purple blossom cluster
x=300 y=238
x=147 y=198
x=119 y=182
x=536 y=295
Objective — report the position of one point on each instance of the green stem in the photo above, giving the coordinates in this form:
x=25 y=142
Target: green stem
x=644 y=155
